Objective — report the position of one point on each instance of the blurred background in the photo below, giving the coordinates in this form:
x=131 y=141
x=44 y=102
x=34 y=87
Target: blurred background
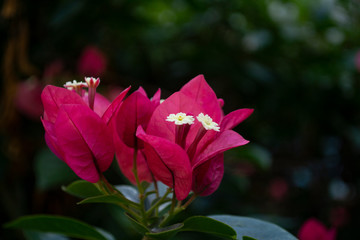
x=296 y=62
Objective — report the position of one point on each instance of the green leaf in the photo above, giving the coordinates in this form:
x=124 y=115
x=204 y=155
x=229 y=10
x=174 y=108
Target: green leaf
x=165 y=233
x=254 y=228
x=106 y=234
x=210 y=226
x=248 y=238
x=50 y=171
x=129 y=192
x=139 y=227
x=82 y=189
x=32 y=235
x=57 y=224
x=114 y=199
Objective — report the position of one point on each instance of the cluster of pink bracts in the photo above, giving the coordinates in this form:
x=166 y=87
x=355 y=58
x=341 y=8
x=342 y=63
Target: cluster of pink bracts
x=179 y=141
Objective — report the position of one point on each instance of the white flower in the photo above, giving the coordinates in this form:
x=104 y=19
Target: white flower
x=207 y=122
x=180 y=118
x=74 y=84
x=92 y=82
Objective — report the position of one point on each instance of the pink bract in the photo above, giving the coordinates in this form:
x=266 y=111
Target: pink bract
x=136 y=110
x=206 y=161
x=92 y=62
x=77 y=134
x=313 y=229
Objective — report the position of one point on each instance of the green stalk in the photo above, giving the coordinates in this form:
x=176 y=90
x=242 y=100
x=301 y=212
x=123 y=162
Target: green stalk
x=193 y=197
x=157 y=204
x=141 y=190
x=173 y=202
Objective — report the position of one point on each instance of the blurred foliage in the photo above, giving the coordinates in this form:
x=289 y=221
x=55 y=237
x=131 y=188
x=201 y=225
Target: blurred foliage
x=294 y=62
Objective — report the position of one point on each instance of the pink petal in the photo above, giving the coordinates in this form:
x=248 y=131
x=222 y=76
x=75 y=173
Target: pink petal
x=168 y=162
x=207 y=177
x=85 y=140
x=312 y=229
x=53 y=97
x=92 y=62
x=224 y=141
x=51 y=139
x=114 y=106
x=28 y=98
x=101 y=103
x=200 y=91
x=155 y=100
x=142 y=91
x=232 y=119
x=134 y=111
x=177 y=102
x=156 y=97
x=221 y=102
x=125 y=155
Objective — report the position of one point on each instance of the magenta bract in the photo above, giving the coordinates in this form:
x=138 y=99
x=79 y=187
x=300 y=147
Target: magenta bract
x=134 y=111
x=203 y=149
x=77 y=134
x=313 y=229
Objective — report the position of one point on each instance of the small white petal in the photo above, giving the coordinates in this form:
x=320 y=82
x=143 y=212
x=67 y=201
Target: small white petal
x=207 y=122
x=74 y=84
x=92 y=82
x=180 y=118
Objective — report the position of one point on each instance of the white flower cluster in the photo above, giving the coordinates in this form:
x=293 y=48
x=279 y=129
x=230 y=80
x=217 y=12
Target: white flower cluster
x=74 y=84
x=181 y=118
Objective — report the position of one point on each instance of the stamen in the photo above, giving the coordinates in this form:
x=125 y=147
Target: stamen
x=192 y=148
x=207 y=122
x=183 y=123
x=92 y=83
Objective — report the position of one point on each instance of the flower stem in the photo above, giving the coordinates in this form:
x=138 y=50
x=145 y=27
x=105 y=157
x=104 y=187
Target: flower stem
x=173 y=202
x=141 y=190
x=134 y=170
x=193 y=197
x=160 y=201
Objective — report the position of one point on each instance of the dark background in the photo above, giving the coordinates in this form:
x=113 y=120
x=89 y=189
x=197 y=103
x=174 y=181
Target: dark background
x=294 y=62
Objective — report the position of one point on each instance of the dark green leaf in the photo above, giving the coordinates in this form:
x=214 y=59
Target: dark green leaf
x=142 y=229
x=145 y=185
x=165 y=233
x=32 y=235
x=82 y=189
x=50 y=171
x=57 y=224
x=106 y=234
x=129 y=192
x=248 y=238
x=114 y=199
x=251 y=227
x=210 y=226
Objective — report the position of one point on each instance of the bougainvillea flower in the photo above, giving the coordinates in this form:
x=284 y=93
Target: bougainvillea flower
x=192 y=119
x=170 y=162
x=76 y=133
x=136 y=110
x=28 y=100
x=313 y=229
x=92 y=62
